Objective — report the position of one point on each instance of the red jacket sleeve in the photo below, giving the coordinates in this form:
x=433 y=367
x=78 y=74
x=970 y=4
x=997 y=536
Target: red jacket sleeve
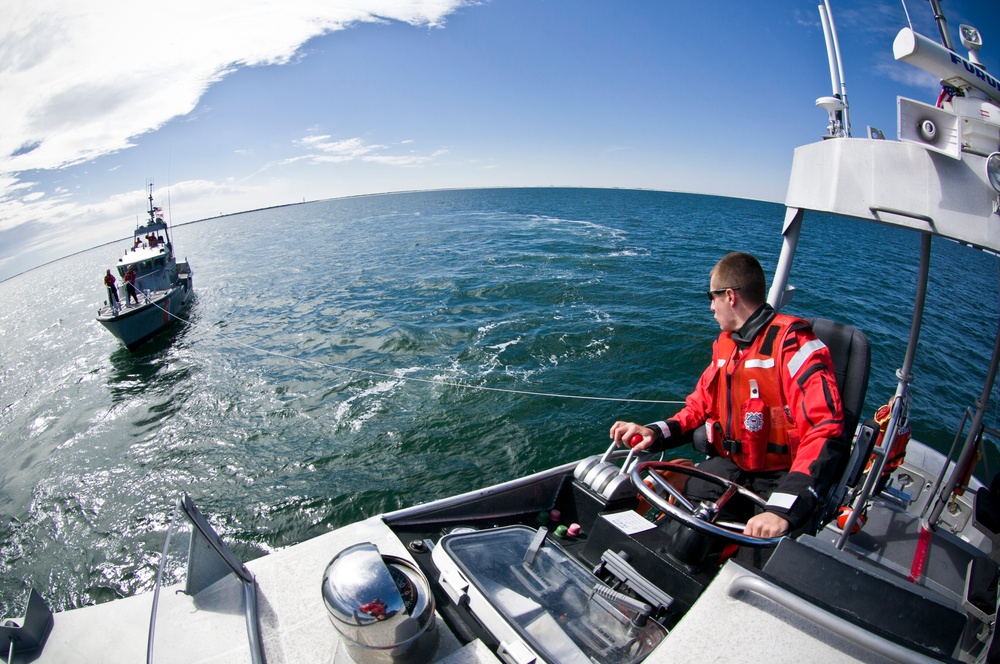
x=813 y=401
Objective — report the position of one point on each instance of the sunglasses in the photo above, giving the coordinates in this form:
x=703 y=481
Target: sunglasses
x=719 y=291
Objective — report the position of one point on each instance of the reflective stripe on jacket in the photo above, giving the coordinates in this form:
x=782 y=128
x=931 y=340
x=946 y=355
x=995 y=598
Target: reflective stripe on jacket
x=772 y=406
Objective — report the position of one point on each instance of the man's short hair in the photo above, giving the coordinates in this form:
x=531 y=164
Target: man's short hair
x=739 y=269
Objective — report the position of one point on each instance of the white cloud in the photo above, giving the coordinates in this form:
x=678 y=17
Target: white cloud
x=324 y=150
x=84 y=79
x=910 y=76
x=403 y=160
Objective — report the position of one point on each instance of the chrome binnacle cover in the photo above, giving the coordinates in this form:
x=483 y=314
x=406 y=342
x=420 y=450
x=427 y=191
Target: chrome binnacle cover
x=381 y=605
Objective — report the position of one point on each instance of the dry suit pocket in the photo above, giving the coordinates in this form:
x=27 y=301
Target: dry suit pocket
x=754 y=420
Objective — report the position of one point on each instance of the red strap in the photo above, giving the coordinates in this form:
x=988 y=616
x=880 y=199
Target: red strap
x=920 y=555
x=728 y=551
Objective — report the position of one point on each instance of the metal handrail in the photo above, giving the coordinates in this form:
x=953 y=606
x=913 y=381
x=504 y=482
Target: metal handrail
x=747 y=583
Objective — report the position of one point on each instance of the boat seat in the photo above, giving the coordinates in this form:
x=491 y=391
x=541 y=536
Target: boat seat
x=851 y=355
x=852 y=359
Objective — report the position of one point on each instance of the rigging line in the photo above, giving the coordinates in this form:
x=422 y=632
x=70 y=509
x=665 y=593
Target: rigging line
x=432 y=381
x=907 y=12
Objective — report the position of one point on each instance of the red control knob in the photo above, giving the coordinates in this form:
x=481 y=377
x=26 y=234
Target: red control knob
x=635 y=440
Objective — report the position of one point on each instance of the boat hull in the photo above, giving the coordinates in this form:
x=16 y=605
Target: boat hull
x=136 y=324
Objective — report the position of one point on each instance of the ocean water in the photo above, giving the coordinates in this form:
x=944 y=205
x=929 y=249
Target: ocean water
x=347 y=357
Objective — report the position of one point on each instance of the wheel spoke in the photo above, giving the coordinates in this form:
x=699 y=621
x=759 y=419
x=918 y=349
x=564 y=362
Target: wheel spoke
x=682 y=510
x=731 y=491
x=669 y=488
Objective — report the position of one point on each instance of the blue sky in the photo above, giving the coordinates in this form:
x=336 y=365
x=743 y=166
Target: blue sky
x=232 y=105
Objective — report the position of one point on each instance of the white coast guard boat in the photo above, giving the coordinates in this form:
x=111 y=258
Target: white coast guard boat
x=496 y=575
x=163 y=285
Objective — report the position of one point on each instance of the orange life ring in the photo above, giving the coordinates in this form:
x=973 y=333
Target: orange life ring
x=844 y=513
x=897 y=451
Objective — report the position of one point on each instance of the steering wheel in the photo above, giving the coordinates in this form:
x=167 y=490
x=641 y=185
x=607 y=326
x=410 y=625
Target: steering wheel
x=701 y=517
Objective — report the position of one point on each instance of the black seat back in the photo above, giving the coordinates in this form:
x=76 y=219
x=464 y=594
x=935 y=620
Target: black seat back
x=851 y=363
x=851 y=357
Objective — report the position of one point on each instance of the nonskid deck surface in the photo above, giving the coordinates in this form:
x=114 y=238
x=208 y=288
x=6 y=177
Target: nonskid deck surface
x=294 y=624
x=890 y=540
x=757 y=629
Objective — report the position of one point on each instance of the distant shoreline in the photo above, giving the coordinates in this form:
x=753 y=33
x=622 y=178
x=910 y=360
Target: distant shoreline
x=352 y=196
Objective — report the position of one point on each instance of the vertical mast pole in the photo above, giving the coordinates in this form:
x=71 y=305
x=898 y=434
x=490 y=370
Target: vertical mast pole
x=841 y=83
x=900 y=402
x=837 y=84
x=777 y=297
x=942 y=24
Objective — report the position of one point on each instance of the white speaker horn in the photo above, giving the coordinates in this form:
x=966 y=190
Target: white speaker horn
x=929 y=126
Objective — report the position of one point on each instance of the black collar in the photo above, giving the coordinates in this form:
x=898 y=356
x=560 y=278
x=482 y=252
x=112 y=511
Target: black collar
x=751 y=328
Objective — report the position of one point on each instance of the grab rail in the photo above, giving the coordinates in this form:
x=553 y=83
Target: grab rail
x=754 y=584
x=875 y=209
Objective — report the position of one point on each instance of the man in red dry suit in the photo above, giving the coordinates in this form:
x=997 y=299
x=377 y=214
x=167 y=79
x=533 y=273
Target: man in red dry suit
x=769 y=402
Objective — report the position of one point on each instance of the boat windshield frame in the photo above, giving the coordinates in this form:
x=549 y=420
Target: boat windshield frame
x=214 y=580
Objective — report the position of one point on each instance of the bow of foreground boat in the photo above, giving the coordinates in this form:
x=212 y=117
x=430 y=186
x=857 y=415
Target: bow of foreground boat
x=507 y=582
